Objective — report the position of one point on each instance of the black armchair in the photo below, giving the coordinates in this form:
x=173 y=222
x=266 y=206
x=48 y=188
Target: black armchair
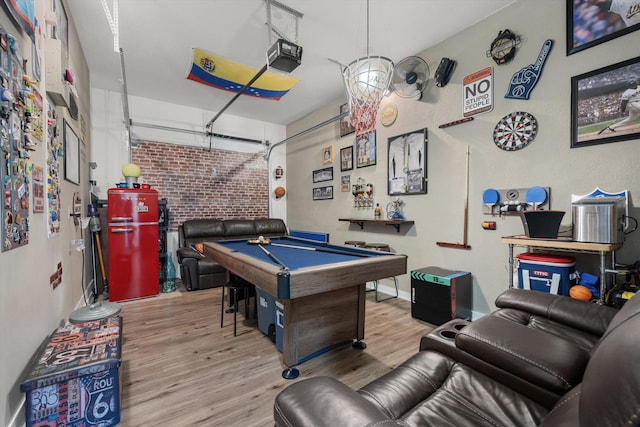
x=198 y=271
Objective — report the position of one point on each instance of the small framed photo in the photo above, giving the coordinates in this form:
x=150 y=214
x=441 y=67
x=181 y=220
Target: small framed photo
x=346 y=158
x=321 y=175
x=605 y=104
x=327 y=155
x=366 y=149
x=590 y=23
x=323 y=193
x=346 y=124
x=345 y=181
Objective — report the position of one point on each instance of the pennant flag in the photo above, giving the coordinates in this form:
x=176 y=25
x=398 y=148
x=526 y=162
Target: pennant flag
x=215 y=71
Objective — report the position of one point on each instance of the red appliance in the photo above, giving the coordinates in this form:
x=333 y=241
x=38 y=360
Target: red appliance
x=133 y=243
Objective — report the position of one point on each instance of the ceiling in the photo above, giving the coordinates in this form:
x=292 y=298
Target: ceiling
x=157 y=38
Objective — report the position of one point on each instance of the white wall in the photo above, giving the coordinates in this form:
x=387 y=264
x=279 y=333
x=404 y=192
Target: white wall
x=29 y=308
x=548 y=161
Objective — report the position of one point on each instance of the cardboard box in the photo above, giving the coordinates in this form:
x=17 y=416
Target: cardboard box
x=74 y=380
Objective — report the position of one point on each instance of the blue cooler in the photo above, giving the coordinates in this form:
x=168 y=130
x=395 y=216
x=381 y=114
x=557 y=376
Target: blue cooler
x=266 y=310
x=554 y=274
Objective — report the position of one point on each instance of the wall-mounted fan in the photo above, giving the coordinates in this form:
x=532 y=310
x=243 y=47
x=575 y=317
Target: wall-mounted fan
x=410 y=77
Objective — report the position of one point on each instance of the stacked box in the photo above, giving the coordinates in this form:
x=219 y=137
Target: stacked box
x=74 y=380
x=439 y=295
x=546 y=273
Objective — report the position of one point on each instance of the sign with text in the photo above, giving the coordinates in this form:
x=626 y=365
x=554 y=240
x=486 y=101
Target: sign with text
x=477 y=92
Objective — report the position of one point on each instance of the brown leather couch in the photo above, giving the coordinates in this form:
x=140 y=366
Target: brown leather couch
x=200 y=272
x=496 y=372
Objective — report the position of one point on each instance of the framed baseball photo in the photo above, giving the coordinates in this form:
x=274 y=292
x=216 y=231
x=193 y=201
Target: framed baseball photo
x=346 y=158
x=325 y=174
x=366 y=149
x=346 y=124
x=407 y=168
x=590 y=23
x=323 y=193
x=605 y=104
x=327 y=155
x=345 y=183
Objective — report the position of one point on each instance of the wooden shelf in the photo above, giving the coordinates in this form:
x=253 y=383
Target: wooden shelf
x=561 y=243
x=566 y=245
x=392 y=222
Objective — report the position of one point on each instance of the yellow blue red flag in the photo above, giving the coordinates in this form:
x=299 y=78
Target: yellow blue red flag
x=215 y=71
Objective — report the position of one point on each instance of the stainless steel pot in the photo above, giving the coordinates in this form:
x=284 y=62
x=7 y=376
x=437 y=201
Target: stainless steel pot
x=599 y=219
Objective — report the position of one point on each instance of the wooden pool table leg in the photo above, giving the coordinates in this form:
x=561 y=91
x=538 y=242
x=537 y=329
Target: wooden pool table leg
x=359 y=344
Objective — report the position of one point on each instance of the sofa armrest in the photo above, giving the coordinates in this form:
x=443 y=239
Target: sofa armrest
x=442 y=340
x=184 y=253
x=583 y=315
x=325 y=401
x=547 y=360
x=181 y=239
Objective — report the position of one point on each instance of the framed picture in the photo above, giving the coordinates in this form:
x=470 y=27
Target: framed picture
x=346 y=158
x=327 y=155
x=407 y=169
x=605 y=104
x=323 y=193
x=346 y=124
x=345 y=182
x=71 y=155
x=325 y=174
x=590 y=23
x=366 y=149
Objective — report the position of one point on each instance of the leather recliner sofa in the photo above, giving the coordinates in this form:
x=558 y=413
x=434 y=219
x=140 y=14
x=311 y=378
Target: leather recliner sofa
x=200 y=272
x=496 y=372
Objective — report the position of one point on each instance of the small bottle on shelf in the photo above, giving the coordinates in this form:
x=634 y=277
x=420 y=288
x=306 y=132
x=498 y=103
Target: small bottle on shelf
x=377 y=212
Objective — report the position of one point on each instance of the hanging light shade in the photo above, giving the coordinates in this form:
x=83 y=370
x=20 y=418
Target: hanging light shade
x=368 y=78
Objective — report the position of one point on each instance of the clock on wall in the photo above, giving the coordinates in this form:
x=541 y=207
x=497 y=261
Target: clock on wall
x=515 y=131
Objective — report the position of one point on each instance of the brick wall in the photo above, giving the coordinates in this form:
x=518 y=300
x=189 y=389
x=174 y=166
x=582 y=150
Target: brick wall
x=182 y=175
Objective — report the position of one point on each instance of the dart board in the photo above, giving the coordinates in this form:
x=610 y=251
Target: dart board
x=515 y=131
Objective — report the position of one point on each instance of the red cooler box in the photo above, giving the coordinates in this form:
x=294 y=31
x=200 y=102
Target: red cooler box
x=554 y=274
x=74 y=381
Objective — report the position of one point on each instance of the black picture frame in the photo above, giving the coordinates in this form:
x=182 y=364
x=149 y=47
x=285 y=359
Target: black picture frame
x=346 y=158
x=596 y=104
x=346 y=124
x=407 y=163
x=321 y=175
x=71 y=154
x=602 y=25
x=366 y=150
x=323 y=193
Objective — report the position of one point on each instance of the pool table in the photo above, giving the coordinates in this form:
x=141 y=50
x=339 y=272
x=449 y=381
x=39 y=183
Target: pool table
x=321 y=286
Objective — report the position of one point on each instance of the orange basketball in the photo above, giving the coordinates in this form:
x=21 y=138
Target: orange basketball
x=580 y=292
x=279 y=192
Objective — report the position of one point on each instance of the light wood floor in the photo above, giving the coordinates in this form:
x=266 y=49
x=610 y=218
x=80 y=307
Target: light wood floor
x=179 y=368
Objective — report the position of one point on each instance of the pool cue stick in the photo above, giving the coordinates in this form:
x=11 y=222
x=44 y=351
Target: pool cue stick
x=327 y=250
x=273 y=257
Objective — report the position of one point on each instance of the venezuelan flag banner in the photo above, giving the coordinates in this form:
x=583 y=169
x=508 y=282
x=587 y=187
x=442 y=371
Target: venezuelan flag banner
x=214 y=71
